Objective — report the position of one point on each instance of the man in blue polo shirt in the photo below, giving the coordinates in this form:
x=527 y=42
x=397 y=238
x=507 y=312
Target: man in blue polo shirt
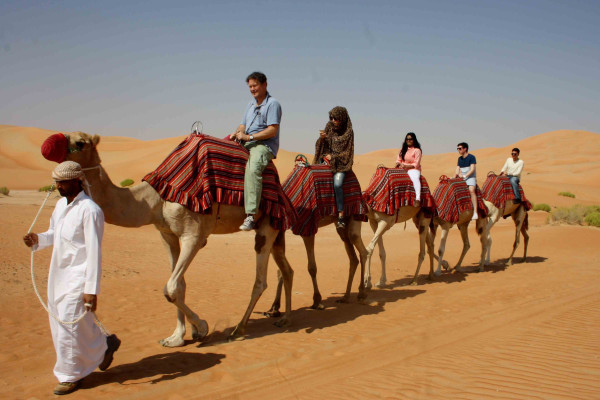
x=259 y=131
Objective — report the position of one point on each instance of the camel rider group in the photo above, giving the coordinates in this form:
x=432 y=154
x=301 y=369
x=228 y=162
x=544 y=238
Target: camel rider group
x=77 y=223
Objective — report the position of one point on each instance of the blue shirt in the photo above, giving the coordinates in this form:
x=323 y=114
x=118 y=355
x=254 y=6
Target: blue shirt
x=258 y=118
x=467 y=161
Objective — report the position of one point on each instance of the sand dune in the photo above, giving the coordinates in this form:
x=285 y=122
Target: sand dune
x=549 y=167
x=524 y=332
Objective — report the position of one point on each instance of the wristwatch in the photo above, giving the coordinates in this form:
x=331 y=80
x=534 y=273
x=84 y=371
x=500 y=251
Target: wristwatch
x=251 y=137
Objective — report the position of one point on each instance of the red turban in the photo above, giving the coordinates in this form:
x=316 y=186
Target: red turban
x=55 y=148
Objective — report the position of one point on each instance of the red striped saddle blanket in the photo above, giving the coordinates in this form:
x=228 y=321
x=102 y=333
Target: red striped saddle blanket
x=203 y=170
x=452 y=197
x=310 y=189
x=498 y=190
x=391 y=188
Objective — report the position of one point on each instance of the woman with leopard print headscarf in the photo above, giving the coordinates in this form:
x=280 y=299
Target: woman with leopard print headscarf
x=336 y=145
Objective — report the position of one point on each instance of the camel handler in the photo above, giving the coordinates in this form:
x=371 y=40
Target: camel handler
x=259 y=131
x=512 y=169
x=76 y=229
x=467 y=169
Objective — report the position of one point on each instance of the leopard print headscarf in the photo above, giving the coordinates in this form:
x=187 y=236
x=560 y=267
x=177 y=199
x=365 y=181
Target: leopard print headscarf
x=339 y=142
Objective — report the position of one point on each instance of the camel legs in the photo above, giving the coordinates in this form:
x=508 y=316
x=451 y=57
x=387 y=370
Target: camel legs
x=285 y=274
x=495 y=215
x=351 y=238
x=265 y=237
x=445 y=230
x=525 y=239
x=519 y=217
x=174 y=290
x=379 y=228
x=422 y=225
x=481 y=225
x=464 y=234
x=309 y=244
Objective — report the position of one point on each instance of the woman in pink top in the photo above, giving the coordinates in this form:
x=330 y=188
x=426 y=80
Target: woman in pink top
x=409 y=159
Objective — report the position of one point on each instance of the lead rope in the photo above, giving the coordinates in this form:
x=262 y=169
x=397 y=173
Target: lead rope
x=102 y=327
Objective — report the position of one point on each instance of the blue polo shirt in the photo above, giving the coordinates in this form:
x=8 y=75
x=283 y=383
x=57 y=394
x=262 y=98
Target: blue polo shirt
x=258 y=118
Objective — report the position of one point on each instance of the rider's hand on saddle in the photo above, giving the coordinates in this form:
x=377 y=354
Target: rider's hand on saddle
x=322 y=134
x=328 y=157
x=30 y=239
x=501 y=173
x=241 y=136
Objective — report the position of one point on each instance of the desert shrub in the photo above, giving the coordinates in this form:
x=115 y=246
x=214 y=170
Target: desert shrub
x=127 y=182
x=592 y=209
x=565 y=215
x=4 y=190
x=45 y=188
x=566 y=194
x=542 y=207
x=593 y=219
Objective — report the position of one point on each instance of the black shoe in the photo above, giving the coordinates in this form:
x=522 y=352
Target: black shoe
x=341 y=224
x=113 y=343
x=516 y=201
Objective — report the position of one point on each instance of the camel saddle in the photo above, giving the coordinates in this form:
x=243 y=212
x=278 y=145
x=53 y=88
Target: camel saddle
x=452 y=198
x=310 y=189
x=391 y=188
x=498 y=190
x=203 y=170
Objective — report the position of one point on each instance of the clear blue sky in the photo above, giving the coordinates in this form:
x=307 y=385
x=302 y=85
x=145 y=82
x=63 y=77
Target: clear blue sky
x=486 y=72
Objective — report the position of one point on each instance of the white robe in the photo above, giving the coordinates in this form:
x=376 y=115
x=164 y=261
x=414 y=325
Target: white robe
x=76 y=231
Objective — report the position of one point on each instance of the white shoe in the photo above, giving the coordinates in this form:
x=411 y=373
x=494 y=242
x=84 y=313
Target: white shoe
x=248 y=224
x=474 y=217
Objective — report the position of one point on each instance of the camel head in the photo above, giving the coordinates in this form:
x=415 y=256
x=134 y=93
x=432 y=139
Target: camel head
x=82 y=149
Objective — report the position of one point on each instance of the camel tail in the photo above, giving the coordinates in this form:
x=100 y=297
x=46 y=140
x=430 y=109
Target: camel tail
x=525 y=226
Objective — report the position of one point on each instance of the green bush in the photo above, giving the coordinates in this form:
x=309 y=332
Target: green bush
x=45 y=188
x=593 y=219
x=566 y=194
x=542 y=207
x=127 y=182
x=592 y=209
x=4 y=190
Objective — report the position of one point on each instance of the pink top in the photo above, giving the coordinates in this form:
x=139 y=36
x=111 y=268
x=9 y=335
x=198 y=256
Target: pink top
x=412 y=157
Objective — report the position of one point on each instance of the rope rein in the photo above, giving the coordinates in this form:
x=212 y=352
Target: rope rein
x=102 y=327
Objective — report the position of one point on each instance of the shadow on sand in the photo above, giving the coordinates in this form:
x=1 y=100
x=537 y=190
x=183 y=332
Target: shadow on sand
x=161 y=367
x=310 y=320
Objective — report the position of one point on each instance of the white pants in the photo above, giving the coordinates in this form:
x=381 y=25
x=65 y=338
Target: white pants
x=415 y=177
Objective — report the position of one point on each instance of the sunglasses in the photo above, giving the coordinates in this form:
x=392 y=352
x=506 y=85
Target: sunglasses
x=333 y=119
x=514 y=154
x=411 y=139
x=459 y=148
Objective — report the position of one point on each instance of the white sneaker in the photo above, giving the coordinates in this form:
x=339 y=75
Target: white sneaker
x=474 y=217
x=248 y=224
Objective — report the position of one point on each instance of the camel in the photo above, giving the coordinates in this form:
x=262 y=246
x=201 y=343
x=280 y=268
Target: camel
x=520 y=217
x=381 y=223
x=463 y=225
x=351 y=236
x=184 y=233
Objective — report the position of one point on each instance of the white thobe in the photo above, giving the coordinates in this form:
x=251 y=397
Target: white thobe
x=76 y=231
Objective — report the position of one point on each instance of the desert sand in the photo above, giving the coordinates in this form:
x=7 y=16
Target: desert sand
x=529 y=331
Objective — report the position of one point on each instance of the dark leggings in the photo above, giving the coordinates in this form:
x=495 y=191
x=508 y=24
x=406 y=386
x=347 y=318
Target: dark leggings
x=338 y=187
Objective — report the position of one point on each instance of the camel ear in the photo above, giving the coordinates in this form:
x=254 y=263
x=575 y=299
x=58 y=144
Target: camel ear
x=96 y=140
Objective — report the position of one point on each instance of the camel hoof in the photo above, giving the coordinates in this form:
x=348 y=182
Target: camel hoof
x=172 y=342
x=368 y=286
x=283 y=322
x=430 y=277
x=343 y=300
x=318 y=306
x=237 y=335
x=381 y=283
x=480 y=269
x=445 y=265
x=199 y=333
x=361 y=296
x=272 y=313
x=438 y=272
x=508 y=264
x=414 y=283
